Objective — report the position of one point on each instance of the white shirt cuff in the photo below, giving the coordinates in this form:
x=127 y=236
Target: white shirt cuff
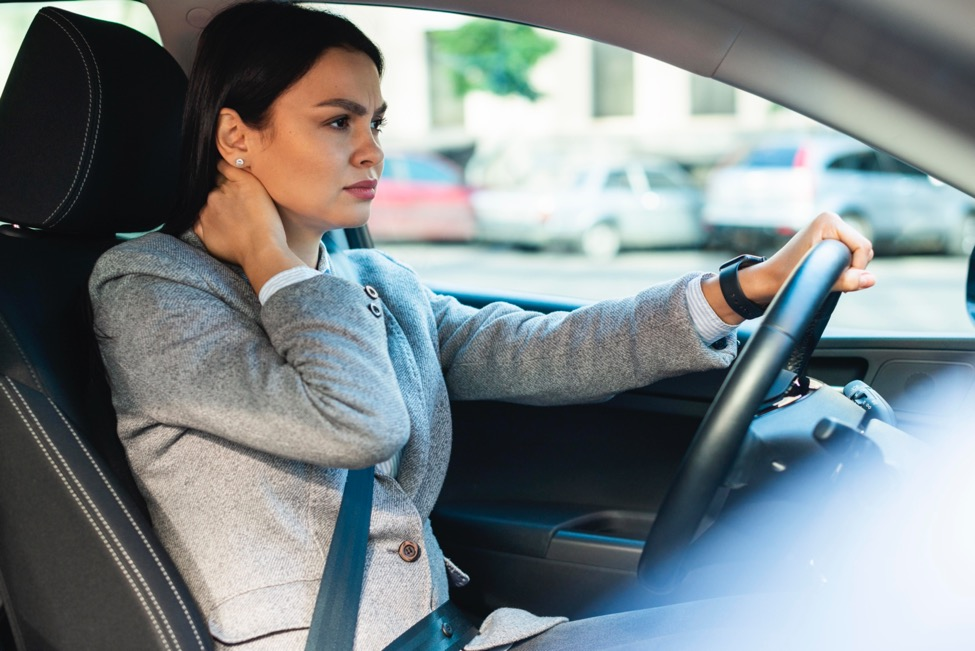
x=708 y=324
x=284 y=278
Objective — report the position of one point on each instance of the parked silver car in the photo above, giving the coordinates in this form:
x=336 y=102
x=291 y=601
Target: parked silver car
x=597 y=208
x=768 y=193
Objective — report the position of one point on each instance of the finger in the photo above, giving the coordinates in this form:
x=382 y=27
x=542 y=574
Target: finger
x=853 y=280
x=867 y=280
x=859 y=245
x=230 y=172
x=855 y=277
x=862 y=256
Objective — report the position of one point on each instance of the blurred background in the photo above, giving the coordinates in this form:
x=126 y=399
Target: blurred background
x=537 y=162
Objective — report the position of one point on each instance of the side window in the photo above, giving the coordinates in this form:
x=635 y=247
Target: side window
x=617 y=180
x=424 y=171
x=395 y=169
x=859 y=162
x=849 y=162
x=771 y=157
x=659 y=180
x=894 y=166
x=532 y=120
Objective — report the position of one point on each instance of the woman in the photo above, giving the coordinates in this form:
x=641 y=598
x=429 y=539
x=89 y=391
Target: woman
x=249 y=370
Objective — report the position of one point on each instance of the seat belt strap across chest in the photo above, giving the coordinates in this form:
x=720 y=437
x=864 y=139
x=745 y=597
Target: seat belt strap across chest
x=337 y=605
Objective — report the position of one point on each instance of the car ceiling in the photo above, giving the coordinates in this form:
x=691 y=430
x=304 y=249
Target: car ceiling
x=897 y=74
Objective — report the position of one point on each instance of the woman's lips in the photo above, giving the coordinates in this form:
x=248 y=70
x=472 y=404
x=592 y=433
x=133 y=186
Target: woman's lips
x=364 y=190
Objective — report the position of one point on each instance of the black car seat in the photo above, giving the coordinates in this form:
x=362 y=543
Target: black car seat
x=89 y=132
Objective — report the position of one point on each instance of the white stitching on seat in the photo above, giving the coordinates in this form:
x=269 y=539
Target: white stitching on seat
x=77 y=500
x=135 y=526
x=91 y=102
x=101 y=518
x=131 y=520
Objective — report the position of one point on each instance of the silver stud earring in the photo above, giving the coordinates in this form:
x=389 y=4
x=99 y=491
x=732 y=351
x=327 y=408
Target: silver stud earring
x=239 y=162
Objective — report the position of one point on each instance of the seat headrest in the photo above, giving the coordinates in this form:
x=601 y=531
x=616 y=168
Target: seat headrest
x=89 y=128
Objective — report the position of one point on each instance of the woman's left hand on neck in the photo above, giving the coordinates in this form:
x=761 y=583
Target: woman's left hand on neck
x=240 y=224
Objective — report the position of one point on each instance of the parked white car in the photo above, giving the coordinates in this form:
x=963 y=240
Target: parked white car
x=769 y=191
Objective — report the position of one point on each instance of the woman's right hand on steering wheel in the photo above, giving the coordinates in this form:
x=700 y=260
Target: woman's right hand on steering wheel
x=826 y=226
x=761 y=282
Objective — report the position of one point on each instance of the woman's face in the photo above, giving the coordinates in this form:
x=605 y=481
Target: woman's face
x=319 y=157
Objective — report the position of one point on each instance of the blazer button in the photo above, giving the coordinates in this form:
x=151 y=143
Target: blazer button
x=371 y=292
x=409 y=551
x=376 y=310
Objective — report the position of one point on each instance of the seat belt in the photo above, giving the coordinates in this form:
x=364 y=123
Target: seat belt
x=447 y=628
x=337 y=605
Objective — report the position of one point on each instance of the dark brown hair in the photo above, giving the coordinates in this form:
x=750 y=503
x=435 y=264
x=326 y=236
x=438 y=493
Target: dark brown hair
x=247 y=56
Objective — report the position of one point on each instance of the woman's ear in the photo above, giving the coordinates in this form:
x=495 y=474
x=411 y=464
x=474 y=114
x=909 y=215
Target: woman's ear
x=232 y=137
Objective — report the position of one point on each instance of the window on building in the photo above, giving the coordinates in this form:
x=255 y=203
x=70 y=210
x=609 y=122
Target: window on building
x=446 y=104
x=710 y=97
x=612 y=81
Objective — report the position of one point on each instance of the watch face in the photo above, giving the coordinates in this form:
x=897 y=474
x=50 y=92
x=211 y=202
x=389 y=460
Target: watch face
x=749 y=260
x=746 y=260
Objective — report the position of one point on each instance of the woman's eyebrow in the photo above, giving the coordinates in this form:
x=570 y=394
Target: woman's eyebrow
x=351 y=106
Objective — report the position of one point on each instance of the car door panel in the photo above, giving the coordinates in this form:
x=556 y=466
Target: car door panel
x=547 y=507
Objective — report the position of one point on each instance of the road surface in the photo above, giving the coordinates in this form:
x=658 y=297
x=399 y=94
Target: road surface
x=913 y=293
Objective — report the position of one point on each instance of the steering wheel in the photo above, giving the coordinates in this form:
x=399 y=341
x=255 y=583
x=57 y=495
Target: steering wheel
x=792 y=326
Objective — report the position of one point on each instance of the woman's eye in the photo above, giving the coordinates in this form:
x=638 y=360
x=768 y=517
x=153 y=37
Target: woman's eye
x=378 y=124
x=339 y=123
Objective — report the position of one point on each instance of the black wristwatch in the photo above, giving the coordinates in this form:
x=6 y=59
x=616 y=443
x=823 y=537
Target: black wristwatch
x=731 y=288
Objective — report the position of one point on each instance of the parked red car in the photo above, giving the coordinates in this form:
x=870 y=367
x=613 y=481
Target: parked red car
x=421 y=197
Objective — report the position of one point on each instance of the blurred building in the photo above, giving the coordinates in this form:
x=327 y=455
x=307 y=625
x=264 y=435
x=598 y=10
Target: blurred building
x=621 y=99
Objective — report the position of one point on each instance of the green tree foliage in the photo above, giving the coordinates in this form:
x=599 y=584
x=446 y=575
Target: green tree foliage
x=491 y=56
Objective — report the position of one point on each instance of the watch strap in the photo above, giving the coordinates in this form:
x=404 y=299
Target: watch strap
x=731 y=288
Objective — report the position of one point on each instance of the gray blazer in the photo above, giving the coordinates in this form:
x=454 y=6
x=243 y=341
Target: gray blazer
x=240 y=420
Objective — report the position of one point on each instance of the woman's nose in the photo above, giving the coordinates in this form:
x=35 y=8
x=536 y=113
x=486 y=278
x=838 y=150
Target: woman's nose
x=370 y=152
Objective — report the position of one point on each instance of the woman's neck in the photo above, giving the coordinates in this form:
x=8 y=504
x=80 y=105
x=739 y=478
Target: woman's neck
x=304 y=243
